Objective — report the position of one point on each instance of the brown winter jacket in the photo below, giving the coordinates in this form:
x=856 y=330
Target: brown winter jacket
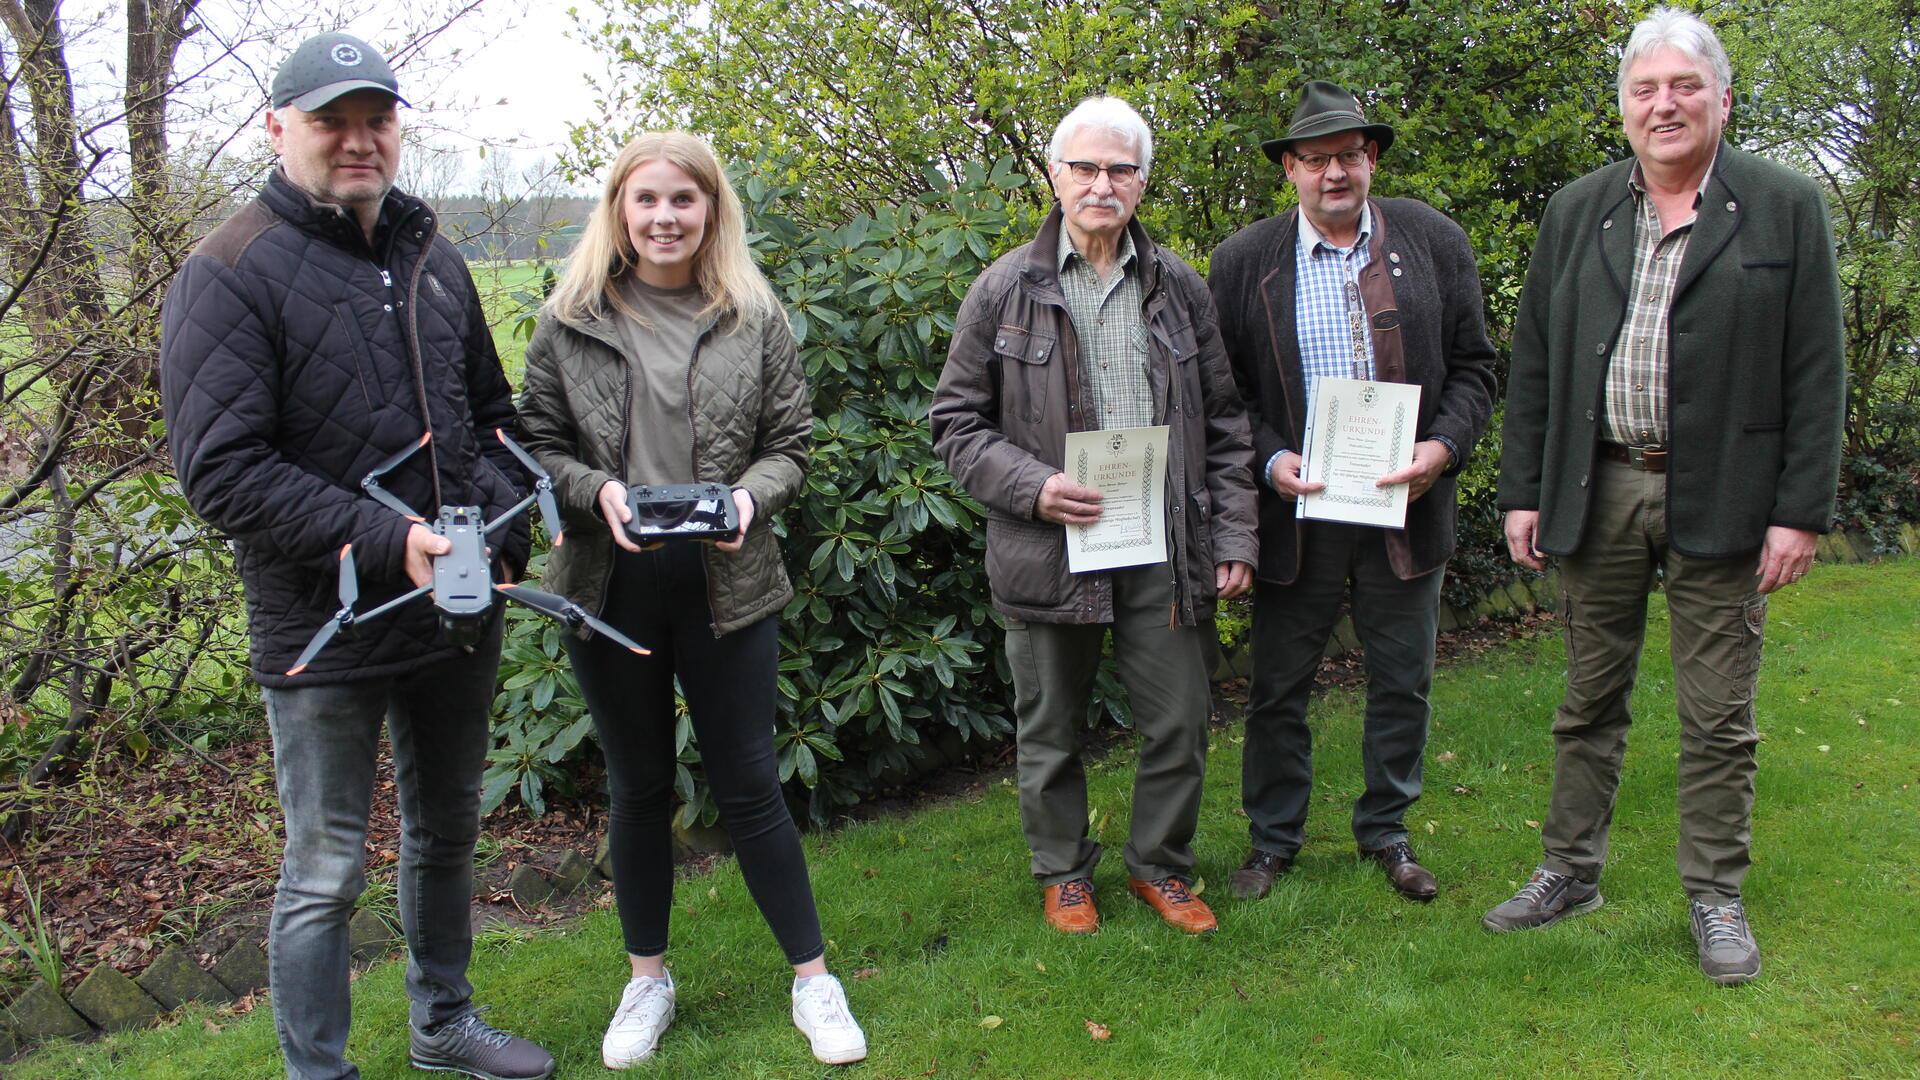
x=1011 y=391
x=752 y=425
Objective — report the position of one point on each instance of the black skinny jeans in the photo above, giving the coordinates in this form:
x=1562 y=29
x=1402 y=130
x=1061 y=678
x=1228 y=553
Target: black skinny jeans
x=659 y=598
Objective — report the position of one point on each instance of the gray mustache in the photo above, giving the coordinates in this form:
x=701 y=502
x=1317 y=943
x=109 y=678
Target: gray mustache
x=1089 y=202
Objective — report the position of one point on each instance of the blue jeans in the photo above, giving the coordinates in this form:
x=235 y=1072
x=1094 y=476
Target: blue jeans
x=325 y=740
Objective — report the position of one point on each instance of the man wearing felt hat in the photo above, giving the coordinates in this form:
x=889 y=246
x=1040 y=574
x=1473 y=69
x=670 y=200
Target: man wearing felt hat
x=322 y=328
x=1347 y=286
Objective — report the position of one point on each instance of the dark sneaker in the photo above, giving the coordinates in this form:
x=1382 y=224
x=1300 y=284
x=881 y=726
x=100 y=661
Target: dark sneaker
x=1545 y=899
x=1403 y=870
x=1728 y=953
x=1255 y=877
x=472 y=1047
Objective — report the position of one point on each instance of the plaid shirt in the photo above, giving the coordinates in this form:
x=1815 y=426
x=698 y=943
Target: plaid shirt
x=1636 y=389
x=1113 y=334
x=1322 y=304
x=1322 y=308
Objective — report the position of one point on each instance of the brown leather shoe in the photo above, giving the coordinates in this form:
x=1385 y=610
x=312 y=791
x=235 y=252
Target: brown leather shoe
x=1255 y=877
x=1069 y=907
x=1181 y=909
x=1404 y=872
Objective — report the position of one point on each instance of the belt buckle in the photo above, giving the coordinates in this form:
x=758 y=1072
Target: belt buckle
x=1647 y=458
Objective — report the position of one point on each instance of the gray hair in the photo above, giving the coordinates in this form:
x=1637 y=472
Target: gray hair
x=1681 y=31
x=1105 y=114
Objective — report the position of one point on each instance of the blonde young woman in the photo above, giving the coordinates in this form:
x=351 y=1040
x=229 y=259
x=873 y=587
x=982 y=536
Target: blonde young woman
x=664 y=358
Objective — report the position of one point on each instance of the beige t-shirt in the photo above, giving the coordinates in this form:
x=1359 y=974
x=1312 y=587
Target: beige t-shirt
x=660 y=357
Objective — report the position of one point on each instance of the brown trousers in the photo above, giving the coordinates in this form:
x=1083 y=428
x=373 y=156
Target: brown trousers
x=1717 y=621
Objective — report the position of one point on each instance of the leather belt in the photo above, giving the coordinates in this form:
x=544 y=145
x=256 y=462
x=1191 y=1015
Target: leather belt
x=1643 y=458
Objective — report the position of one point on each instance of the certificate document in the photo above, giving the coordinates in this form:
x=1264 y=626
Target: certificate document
x=1357 y=432
x=1128 y=467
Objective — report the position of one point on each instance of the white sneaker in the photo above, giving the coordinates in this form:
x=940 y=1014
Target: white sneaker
x=646 y=1008
x=820 y=1012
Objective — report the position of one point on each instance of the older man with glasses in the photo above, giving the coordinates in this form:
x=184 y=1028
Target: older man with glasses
x=1374 y=289
x=1094 y=327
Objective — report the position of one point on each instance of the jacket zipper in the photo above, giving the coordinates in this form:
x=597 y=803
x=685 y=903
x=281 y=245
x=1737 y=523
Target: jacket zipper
x=693 y=456
x=1176 y=466
x=412 y=321
x=626 y=433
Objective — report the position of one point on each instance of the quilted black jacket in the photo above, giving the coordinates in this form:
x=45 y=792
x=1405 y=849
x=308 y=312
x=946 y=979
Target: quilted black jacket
x=293 y=359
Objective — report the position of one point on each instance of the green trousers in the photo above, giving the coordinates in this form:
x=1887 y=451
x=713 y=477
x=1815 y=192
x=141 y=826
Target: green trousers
x=1717 y=621
x=1164 y=670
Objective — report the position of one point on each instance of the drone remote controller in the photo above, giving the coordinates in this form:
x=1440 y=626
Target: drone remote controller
x=681 y=512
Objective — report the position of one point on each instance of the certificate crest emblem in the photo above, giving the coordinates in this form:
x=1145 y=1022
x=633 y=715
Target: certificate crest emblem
x=346 y=55
x=1369 y=395
x=1116 y=443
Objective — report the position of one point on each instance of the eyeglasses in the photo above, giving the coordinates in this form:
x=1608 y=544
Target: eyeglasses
x=1121 y=173
x=1349 y=159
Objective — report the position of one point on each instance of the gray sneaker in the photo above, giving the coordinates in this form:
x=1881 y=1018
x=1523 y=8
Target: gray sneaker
x=1728 y=953
x=1545 y=899
x=471 y=1046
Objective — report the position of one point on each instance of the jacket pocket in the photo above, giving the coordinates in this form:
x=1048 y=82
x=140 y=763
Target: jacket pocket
x=1026 y=562
x=1202 y=519
x=364 y=371
x=1025 y=360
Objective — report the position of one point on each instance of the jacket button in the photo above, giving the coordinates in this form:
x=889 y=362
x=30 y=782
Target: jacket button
x=1600 y=349
x=1589 y=414
x=386 y=307
x=1583 y=481
x=1000 y=342
x=1607 y=224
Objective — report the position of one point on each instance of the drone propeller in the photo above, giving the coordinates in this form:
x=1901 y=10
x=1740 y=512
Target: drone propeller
x=542 y=488
x=349 y=593
x=349 y=581
x=370 y=483
x=569 y=613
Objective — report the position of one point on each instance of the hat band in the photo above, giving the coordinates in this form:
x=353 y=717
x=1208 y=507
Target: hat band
x=1318 y=119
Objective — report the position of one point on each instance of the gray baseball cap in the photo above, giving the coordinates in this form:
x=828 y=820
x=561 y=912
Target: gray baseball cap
x=327 y=66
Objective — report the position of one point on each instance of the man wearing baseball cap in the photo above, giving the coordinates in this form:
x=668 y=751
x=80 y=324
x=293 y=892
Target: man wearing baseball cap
x=318 y=331
x=1347 y=287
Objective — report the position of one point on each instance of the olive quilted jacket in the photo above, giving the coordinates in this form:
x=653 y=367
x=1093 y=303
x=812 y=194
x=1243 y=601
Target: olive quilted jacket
x=752 y=425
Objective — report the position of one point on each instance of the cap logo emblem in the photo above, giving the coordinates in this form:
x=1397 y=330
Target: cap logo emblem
x=346 y=55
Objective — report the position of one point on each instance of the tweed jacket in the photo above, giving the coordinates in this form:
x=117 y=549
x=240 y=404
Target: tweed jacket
x=752 y=423
x=1011 y=390
x=1756 y=388
x=1438 y=317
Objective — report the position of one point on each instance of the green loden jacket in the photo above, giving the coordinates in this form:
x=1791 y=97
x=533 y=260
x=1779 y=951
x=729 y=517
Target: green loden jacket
x=1756 y=388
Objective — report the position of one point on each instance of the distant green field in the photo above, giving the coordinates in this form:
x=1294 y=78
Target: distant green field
x=504 y=291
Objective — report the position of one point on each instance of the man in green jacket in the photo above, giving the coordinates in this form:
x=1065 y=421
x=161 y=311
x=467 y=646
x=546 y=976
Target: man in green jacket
x=1675 y=407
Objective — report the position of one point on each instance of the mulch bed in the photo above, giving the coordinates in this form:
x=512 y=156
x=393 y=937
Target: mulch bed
x=185 y=847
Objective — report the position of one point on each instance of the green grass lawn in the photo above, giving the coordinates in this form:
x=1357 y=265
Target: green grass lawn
x=497 y=284
x=1332 y=975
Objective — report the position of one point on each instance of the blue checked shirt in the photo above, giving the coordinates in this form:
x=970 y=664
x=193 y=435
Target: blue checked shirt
x=1321 y=275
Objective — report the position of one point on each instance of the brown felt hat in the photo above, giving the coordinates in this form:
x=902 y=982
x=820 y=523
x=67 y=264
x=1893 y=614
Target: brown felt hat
x=1325 y=109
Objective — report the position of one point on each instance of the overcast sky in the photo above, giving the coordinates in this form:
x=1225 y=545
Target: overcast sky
x=506 y=74
x=520 y=79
